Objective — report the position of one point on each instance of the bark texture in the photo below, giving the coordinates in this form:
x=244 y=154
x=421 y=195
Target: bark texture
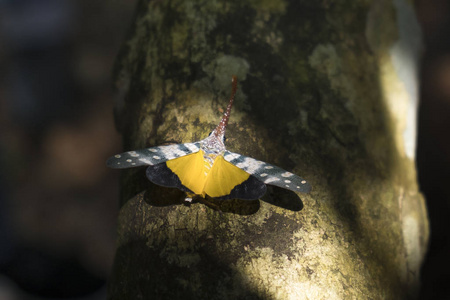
x=327 y=90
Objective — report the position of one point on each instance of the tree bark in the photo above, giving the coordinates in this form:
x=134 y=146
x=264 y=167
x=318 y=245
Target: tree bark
x=327 y=90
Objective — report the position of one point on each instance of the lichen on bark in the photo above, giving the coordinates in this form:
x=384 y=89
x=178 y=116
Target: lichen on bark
x=318 y=87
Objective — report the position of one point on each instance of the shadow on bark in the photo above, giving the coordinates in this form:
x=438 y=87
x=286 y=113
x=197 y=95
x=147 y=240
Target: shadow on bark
x=135 y=260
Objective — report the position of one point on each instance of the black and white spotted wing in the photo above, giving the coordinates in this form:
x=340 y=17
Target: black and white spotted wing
x=151 y=156
x=268 y=173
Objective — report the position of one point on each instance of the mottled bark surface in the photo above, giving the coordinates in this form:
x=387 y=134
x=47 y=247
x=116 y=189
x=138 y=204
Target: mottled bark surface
x=327 y=90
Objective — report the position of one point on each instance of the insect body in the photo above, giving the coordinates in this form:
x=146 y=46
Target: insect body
x=207 y=168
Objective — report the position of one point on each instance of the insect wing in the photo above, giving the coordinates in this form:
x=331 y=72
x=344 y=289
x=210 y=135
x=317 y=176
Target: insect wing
x=222 y=181
x=151 y=156
x=188 y=170
x=227 y=181
x=250 y=189
x=267 y=173
x=160 y=174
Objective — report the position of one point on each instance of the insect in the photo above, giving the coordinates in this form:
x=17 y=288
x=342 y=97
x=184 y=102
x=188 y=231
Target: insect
x=207 y=168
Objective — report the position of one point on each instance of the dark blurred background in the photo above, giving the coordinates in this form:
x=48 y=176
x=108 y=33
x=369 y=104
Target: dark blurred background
x=58 y=202
x=433 y=152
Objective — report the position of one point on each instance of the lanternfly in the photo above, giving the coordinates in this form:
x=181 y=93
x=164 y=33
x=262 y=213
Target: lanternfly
x=206 y=168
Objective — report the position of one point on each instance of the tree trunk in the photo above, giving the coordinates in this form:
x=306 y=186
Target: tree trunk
x=327 y=90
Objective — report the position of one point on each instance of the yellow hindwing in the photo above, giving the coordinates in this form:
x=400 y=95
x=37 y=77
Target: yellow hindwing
x=196 y=174
x=190 y=169
x=223 y=177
